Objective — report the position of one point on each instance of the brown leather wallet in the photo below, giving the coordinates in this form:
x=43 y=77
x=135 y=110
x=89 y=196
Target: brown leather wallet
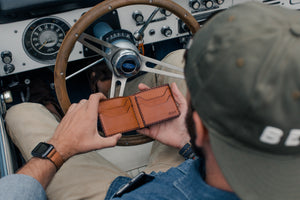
x=123 y=114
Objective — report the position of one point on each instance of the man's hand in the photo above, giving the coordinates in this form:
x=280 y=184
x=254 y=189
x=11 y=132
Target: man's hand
x=173 y=132
x=77 y=132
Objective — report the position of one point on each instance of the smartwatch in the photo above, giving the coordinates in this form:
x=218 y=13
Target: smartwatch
x=47 y=151
x=187 y=152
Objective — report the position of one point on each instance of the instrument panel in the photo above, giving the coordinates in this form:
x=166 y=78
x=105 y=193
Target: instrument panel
x=31 y=44
x=42 y=38
x=166 y=25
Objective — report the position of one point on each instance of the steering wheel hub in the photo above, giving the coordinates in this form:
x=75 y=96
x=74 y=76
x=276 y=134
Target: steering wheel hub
x=126 y=63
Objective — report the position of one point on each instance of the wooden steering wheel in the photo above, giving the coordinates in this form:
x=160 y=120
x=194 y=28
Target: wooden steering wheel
x=116 y=56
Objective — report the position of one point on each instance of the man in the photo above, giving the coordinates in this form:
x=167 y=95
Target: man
x=242 y=73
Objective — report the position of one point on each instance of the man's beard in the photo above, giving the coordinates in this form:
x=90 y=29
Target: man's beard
x=190 y=124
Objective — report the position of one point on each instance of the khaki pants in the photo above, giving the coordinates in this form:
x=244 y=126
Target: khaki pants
x=85 y=176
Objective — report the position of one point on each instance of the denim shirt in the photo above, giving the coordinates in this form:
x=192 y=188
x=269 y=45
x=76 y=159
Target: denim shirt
x=182 y=182
x=19 y=186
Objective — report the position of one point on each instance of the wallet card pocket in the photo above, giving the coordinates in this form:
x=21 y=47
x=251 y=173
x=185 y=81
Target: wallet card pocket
x=157 y=106
x=117 y=116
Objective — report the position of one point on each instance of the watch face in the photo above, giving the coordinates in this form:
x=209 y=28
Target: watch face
x=42 y=150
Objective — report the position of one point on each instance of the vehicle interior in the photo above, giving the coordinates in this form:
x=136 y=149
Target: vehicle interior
x=62 y=41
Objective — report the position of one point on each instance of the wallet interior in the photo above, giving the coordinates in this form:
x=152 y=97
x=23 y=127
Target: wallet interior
x=117 y=115
x=123 y=114
x=156 y=106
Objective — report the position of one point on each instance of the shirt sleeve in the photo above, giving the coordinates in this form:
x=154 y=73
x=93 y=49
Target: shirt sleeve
x=19 y=186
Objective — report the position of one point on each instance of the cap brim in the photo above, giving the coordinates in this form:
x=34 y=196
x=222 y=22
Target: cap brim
x=256 y=175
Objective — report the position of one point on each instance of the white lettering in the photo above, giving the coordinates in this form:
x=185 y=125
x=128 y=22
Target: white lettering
x=271 y=135
x=294 y=138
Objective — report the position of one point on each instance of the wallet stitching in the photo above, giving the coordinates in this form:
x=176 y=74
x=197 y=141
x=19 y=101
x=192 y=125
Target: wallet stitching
x=145 y=104
x=105 y=130
x=157 y=122
x=118 y=106
x=106 y=114
x=142 y=116
x=166 y=119
x=154 y=97
x=124 y=130
x=135 y=113
x=153 y=88
x=162 y=119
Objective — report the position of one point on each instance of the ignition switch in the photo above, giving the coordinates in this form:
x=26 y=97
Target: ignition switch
x=6 y=57
x=166 y=31
x=9 y=68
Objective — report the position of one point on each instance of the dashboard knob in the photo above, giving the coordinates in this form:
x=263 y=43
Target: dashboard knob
x=6 y=57
x=165 y=12
x=9 y=68
x=151 y=32
x=184 y=27
x=7 y=96
x=220 y=2
x=138 y=16
x=166 y=31
x=194 y=4
x=209 y=4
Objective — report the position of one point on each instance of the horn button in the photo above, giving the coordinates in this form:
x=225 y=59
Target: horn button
x=126 y=63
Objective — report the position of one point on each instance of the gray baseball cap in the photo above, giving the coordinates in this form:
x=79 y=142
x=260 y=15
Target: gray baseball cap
x=243 y=73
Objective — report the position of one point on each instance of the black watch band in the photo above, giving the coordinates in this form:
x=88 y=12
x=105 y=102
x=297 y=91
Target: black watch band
x=187 y=152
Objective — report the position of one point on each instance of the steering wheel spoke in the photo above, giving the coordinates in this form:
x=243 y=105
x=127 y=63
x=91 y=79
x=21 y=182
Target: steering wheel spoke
x=85 y=68
x=90 y=41
x=114 y=81
x=144 y=68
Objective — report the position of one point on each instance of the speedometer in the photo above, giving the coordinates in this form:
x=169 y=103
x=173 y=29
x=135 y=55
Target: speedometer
x=43 y=37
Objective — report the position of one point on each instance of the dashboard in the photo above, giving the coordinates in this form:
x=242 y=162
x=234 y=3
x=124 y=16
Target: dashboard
x=32 y=42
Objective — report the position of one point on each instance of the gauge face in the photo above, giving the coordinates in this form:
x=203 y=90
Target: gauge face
x=43 y=37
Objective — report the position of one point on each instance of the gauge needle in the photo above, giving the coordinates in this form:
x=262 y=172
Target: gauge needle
x=43 y=44
x=46 y=42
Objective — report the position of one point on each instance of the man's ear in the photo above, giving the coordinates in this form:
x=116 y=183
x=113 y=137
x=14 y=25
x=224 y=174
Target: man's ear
x=200 y=130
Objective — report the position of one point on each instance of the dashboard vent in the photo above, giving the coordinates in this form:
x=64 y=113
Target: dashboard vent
x=271 y=2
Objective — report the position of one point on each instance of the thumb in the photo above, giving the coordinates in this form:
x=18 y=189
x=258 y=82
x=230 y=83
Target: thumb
x=143 y=86
x=110 y=141
x=144 y=131
x=178 y=96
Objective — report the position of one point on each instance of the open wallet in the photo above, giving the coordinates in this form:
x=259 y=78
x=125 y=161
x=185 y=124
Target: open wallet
x=145 y=108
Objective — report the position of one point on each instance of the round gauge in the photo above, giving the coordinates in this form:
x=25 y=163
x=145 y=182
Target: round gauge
x=43 y=37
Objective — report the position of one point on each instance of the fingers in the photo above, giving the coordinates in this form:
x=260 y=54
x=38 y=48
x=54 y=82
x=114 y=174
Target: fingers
x=144 y=131
x=76 y=106
x=92 y=103
x=143 y=86
x=178 y=96
x=94 y=100
x=110 y=141
x=82 y=101
x=72 y=108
